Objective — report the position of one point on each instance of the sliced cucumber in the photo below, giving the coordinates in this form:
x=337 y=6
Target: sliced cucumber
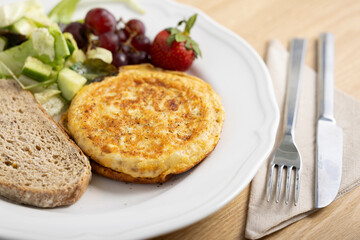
x=23 y=26
x=100 y=53
x=36 y=69
x=70 y=82
x=3 y=43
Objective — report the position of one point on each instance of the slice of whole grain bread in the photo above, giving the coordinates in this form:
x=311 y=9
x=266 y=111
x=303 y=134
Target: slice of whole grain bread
x=39 y=164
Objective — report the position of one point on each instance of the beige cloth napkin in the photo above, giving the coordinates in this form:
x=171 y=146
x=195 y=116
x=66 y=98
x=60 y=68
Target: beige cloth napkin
x=267 y=217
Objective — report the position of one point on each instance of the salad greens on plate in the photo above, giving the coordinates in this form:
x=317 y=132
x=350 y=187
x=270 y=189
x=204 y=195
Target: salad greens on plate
x=64 y=10
x=41 y=58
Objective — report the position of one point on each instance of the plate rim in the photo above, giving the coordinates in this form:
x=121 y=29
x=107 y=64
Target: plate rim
x=266 y=143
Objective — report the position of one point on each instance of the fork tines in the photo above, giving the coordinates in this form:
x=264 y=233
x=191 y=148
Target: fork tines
x=289 y=169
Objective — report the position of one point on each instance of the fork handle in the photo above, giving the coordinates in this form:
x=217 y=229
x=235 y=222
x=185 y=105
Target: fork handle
x=295 y=67
x=326 y=77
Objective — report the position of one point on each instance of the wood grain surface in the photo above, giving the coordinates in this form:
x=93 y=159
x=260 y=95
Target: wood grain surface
x=257 y=22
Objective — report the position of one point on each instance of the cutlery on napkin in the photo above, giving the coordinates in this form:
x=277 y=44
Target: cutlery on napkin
x=329 y=137
x=266 y=217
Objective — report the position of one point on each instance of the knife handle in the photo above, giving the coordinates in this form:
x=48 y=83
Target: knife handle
x=326 y=77
x=296 y=64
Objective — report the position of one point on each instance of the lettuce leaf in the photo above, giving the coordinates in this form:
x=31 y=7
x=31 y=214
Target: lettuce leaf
x=15 y=58
x=43 y=45
x=64 y=10
x=61 y=46
x=95 y=69
x=133 y=5
x=32 y=9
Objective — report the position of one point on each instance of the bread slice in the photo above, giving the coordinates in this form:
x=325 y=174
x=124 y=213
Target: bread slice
x=39 y=164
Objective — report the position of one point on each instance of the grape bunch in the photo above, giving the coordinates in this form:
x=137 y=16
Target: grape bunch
x=126 y=40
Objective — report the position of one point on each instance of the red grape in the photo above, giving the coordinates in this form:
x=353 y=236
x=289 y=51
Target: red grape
x=78 y=31
x=120 y=59
x=125 y=48
x=110 y=41
x=135 y=25
x=141 y=43
x=122 y=35
x=137 y=57
x=100 y=21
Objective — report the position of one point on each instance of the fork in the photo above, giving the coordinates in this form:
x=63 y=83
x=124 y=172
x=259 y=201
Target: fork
x=287 y=154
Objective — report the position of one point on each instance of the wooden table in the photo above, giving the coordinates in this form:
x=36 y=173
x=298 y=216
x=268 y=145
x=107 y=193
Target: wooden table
x=257 y=22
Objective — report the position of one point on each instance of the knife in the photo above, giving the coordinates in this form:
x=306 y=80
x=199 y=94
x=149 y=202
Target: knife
x=329 y=137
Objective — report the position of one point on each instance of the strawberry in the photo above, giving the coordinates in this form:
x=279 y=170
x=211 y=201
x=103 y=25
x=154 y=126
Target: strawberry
x=173 y=49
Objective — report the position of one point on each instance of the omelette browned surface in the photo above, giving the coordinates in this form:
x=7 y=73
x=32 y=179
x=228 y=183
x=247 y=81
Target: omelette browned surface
x=146 y=123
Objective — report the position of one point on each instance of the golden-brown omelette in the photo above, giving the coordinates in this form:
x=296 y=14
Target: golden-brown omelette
x=146 y=123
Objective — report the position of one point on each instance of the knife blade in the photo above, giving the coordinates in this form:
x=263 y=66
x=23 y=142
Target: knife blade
x=329 y=137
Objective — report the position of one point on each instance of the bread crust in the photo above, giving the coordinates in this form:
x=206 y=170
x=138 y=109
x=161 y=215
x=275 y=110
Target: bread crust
x=45 y=198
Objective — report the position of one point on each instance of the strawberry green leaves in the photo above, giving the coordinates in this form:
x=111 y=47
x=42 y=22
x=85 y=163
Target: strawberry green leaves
x=189 y=23
x=178 y=36
x=191 y=44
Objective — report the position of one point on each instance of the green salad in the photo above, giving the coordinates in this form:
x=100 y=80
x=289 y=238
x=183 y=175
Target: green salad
x=42 y=59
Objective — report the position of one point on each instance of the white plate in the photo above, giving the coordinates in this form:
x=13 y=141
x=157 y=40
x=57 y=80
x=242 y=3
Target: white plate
x=115 y=210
